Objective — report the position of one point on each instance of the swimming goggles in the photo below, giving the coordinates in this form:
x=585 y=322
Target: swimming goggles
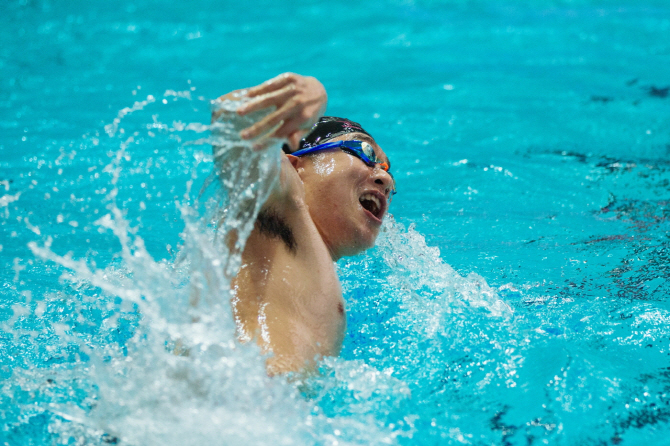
x=359 y=149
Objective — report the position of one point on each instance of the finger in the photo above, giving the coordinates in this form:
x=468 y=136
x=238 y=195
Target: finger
x=266 y=140
x=233 y=95
x=277 y=98
x=290 y=130
x=273 y=84
x=298 y=121
x=271 y=120
x=262 y=127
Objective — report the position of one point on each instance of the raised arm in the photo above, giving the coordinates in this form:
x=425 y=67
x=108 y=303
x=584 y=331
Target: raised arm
x=299 y=100
x=284 y=107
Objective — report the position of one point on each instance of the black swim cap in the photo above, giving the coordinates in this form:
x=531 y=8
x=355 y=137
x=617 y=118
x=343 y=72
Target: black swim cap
x=326 y=128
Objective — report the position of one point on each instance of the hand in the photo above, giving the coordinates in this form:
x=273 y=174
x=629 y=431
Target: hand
x=300 y=102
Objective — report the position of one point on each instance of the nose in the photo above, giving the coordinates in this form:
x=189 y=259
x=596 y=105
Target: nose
x=383 y=178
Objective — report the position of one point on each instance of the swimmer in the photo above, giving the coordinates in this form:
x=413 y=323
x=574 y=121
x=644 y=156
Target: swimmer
x=332 y=195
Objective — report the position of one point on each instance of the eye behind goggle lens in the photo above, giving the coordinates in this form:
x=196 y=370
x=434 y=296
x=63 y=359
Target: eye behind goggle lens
x=369 y=151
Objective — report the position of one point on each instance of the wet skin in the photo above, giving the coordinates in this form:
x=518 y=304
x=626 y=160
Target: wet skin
x=287 y=300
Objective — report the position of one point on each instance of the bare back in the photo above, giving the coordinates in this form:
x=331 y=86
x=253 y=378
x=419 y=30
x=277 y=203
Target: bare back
x=287 y=296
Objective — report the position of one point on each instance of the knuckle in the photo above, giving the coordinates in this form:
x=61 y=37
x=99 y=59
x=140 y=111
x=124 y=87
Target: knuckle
x=274 y=119
x=285 y=93
x=257 y=104
x=291 y=103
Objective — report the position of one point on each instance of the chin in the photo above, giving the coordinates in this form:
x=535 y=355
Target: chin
x=371 y=242
x=366 y=241
x=358 y=246
x=359 y=236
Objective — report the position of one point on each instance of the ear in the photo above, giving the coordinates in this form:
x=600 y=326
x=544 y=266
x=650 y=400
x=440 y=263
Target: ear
x=295 y=161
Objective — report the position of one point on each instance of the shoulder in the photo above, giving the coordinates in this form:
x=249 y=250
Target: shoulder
x=290 y=181
x=288 y=197
x=284 y=211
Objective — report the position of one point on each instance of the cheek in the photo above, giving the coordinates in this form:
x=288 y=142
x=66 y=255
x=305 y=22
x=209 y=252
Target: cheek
x=336 y=177
x=324 y=166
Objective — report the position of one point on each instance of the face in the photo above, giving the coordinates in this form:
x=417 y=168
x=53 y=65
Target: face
x=347 y=199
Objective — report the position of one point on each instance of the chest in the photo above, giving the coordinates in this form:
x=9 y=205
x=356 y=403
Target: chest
x=290 y=291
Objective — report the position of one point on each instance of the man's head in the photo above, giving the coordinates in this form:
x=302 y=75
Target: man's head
x=347 y=198
x=328 y=128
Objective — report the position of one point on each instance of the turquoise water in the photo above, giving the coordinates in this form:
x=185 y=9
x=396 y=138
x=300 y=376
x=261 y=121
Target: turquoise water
x=519 y=294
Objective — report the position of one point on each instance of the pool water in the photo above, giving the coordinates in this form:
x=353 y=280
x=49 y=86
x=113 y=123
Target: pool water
x=518 y=294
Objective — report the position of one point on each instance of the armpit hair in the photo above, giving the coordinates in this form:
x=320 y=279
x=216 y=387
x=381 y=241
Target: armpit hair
x=270 y=223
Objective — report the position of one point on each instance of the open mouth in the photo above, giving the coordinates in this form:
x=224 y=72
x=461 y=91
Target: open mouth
x=372 y=204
